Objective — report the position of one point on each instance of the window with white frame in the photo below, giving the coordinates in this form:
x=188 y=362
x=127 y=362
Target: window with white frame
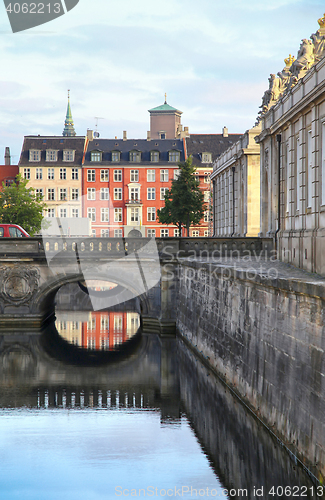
x=206 y=216
x=207 y=177
x=134 y=176
x=50 y=194
x=176 y=233
x=91 y=214
x=104 y=323
x=91 y=176
x=91 y=193
x=206 y=233
x=118 y=233
x=68 y=155
x=63 y=194
x=163 y=192
x=50 y=213
x=151 y=175
x=34 y=155
x=39 y=174
x=164 y=233
x=39 y=193
x=96 y=156
x=118 y=323
x=151 y=214
x=74 y=174
x=206 y=157
x=154 y=156
x=93 y=233
x=26 y=173
x=174 y=156
x=50 y=174
x=104 y=175
x=151 y=193
x=75 y=194
x=117 y=175
x=51 y=155
x=75 y=212
x=135 y=156
x=163 y=175
x=116 y=156
x=177 y=172
x=104 y=214
x=195 y=233
x=206 y=196
x=63 y=174
x=104 y=233
x=151 y=233
x=104 y=193
x=134 y=193
x=63 y=212
x=134 y=215
x=117 y=214
x=117 y=193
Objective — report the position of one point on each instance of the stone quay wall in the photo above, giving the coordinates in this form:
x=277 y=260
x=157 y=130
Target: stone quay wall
x=260 y=326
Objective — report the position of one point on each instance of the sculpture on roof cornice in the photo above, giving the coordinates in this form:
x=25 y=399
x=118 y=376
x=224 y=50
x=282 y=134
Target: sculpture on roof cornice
x=310 y=52
x=305 y=59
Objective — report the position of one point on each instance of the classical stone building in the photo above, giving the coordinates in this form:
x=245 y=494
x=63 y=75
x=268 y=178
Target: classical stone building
x=292 y=141
x=204 y=150
x=236 y=188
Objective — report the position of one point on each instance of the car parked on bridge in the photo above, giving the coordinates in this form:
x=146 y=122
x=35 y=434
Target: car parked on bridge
x=12 y=231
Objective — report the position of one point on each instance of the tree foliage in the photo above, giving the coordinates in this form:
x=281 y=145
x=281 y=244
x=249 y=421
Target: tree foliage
x=20 y=205
x=184 y=205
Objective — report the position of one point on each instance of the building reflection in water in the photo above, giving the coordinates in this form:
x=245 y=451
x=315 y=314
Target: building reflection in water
x=97 y=330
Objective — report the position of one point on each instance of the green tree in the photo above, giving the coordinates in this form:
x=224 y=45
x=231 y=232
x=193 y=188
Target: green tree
x=20 y=205
x=184 y=203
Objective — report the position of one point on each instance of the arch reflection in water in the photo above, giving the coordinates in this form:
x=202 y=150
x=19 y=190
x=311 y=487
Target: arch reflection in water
x=97 y=330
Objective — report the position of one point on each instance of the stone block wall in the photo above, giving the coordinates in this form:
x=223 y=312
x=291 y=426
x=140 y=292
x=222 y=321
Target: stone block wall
x=265 y=336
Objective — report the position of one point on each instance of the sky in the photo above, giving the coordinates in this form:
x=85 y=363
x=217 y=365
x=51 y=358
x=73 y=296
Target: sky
x=211 y=57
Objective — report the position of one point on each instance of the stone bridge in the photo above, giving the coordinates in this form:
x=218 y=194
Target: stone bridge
x=33 y=270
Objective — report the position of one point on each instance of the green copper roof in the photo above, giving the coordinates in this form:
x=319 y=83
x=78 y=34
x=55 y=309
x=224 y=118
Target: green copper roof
x=164 y=107
x=69 y=130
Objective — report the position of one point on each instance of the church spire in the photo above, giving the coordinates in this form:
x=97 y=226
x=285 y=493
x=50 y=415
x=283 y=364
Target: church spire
x=69 y=130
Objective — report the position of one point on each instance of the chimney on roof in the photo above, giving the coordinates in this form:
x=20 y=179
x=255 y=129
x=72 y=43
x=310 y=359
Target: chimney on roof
x=90 y=135
x=148 y=136
x=124 y=135
x=224 y=132
x=7 y=156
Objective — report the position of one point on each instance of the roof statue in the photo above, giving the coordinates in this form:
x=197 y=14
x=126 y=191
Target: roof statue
x=69 y=130
x=309 y=53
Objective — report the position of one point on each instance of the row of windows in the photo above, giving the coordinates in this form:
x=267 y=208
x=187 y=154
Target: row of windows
x=50 y=174
x=51 y=155
x=134 y=193
x=60 y=195
x=91 y=174
x=135 y=156
x=134 y=175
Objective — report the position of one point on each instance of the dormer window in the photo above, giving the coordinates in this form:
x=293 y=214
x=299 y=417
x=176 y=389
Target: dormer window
x=174 y=156
x=116 y=156
x=135 y=156
x=51 y=155
x=34 y=155
x=96 y=156
x=206 y=158
x=154 y=156
x=68 y=155
x=162 y=134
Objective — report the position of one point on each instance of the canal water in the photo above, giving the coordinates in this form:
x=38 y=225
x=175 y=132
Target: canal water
x=91 y=408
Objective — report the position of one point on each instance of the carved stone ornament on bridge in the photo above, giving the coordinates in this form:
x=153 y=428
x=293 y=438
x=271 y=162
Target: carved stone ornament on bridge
x=17 y=284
